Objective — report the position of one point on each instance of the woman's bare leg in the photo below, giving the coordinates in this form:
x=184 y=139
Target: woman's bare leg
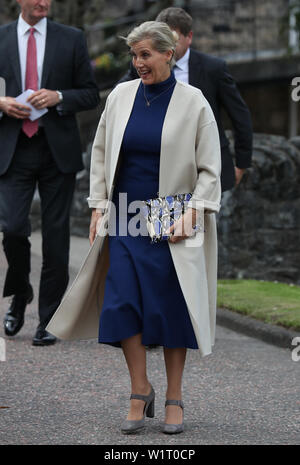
x=174 y=361
x=135 y=356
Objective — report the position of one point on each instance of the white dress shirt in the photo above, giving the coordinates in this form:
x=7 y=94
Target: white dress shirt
x=181 y=69
x=40 y=37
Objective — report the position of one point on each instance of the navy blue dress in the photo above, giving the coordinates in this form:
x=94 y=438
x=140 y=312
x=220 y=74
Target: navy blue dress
x=142 y=291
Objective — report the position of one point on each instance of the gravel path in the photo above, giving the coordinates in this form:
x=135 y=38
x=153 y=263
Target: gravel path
x=246 y=392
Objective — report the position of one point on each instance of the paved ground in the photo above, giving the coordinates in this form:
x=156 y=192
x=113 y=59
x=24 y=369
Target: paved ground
x=246 y=392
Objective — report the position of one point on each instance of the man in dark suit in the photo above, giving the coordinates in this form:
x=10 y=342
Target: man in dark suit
x=211 y=76
x=52 y=60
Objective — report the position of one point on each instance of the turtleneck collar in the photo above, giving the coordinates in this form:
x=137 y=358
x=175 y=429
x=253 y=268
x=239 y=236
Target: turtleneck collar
x=160 y=86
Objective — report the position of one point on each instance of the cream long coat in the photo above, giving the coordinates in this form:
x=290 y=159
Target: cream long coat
x=190 y=161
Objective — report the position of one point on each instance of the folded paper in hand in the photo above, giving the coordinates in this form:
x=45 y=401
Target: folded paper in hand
x=35 y=114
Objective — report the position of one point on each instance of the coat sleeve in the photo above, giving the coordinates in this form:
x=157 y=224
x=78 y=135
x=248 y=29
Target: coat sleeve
x=207 y=192
x=239 y=115
x=84 y=94
x=98 y=197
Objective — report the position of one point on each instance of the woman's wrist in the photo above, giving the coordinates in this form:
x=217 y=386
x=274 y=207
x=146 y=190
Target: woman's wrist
x=99 y=210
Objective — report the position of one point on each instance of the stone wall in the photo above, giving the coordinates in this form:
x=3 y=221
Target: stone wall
x=226 y=27
x=81 y=12
x=259 y=223
x=221 y=27
x=269 y=105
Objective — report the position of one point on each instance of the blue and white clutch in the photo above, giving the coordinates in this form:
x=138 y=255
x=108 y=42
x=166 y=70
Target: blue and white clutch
x=161 y=212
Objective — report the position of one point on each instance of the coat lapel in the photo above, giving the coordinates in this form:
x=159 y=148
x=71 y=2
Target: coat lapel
x=13 y=51
x=124 y=109
x=167 y=156
x=196 y=71
x=50 y=49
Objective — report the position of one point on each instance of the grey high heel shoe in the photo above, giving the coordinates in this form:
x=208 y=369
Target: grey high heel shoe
x=131 y=426
x=173 y=429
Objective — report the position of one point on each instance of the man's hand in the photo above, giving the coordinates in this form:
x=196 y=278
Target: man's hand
x=239 y=173
x=43 y=98
x=12 y=108
x=95 y=218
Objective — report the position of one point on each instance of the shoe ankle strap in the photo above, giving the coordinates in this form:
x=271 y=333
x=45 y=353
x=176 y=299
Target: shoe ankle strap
x=175 y=402
x=142 y=397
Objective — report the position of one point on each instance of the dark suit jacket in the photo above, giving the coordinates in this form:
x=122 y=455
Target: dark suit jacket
x=211 y=76
x=66 y=68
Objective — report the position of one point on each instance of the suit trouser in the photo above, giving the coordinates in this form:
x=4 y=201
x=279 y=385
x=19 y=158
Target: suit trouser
x=32 y=166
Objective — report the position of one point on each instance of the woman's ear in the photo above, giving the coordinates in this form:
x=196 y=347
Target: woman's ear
x=171 y=54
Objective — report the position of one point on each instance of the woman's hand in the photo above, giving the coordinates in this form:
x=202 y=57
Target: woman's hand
x=95 y=218
x=183 y=228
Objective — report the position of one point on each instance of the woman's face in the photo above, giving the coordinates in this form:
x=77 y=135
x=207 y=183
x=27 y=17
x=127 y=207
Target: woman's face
x=151 y=65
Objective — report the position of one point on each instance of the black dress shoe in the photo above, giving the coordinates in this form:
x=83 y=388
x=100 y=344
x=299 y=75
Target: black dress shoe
x=14 y=318
x=43 y=338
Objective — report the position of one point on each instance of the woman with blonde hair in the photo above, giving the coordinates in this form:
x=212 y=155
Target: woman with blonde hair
x=156 y=138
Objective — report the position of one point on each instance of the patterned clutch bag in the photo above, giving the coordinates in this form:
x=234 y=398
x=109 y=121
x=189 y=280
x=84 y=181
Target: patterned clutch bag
x=161 y=212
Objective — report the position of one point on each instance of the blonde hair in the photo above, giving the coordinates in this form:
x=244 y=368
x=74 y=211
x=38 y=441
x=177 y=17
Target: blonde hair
x=162 y=37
